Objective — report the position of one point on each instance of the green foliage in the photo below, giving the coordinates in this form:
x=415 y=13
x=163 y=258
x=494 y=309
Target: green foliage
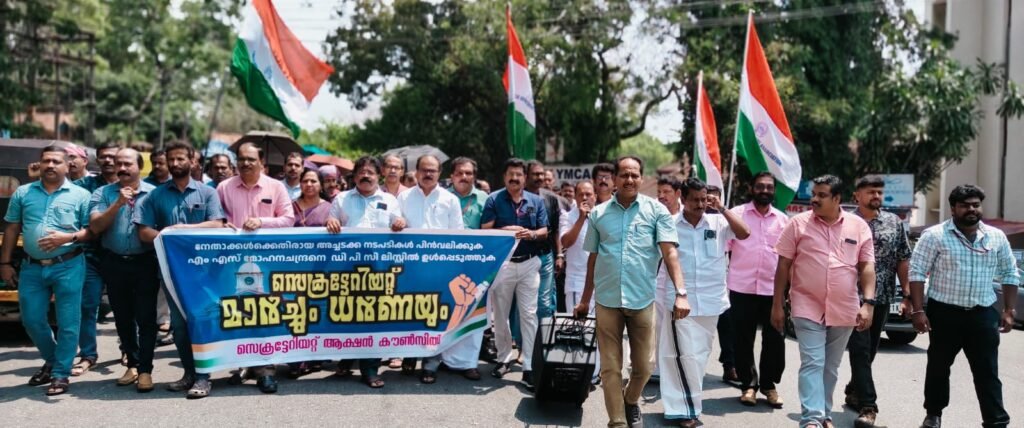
x=648 y=149
x=334 y=138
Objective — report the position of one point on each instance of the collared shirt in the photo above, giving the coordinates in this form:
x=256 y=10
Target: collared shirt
x=267 y=200
x=472 y=206
x=121 y=237
x=376 y=211
x=438 y=210
x=293 y=192
x=752 y=268
x=626 y=242
x=401 y=188
x=962 y=272
x=152 y=180
x=702 y=255
x=92 y=182
x=824 y=274
x=555 y=206
x=39 y=212
x=891 y=247
x=167 y=206
x=575 y=256
x=529 y=213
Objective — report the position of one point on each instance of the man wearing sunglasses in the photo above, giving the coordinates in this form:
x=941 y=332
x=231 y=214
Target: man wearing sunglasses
x=961 y=258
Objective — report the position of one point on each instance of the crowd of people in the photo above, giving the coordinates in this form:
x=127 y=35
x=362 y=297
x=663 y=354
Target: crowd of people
x=662 y=276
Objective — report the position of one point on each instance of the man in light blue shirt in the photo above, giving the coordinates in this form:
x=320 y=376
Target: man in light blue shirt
x=128 y=267
x=624 y=236
x=53 y=214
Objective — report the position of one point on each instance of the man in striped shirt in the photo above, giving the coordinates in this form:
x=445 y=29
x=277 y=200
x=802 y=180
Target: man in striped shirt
x=961 y=258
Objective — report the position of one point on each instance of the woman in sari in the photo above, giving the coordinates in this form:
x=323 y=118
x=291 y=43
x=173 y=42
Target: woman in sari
x=310 y=211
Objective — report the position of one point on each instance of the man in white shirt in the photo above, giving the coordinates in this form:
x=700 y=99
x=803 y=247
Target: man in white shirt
x=573 y=231
x=670 y=194
x=685 y=344
x=426 y=206
x=366 y=206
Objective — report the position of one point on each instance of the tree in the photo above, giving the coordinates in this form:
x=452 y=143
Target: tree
x=652 y=152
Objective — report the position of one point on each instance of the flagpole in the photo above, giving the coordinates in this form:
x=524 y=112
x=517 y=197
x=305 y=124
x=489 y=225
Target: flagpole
x=696 y=122
x=511 y=83
x=736 y=133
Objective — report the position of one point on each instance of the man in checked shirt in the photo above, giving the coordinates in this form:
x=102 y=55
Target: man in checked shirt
x=961 y=258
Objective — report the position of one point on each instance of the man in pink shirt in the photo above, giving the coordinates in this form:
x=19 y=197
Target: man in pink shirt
x=751 y=282
x=821 y=255
x=252 y=200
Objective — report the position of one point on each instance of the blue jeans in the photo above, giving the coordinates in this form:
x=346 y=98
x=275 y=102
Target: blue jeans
x=821 y=352
x=547 y=301
x=182 y=342
x=35 y=286
x=92 y=293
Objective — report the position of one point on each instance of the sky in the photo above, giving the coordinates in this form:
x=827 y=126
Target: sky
x=312 y=20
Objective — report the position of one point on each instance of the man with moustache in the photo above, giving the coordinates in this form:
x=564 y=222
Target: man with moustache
x=726 y=333
x=252 y=201
x=823 y=253
x=892 y=260
x=332 y=182
x=53 y=214
x=751 y=282
x=622 y=236
x=517 y=210
x=549 y=179
x=159 y=174
x=685 y=344
x=394 y=170
x=603 y=175
x=292 y=173
x=427 y=206
x=221 y=169
x=551 y=257
x=961 y=258
x=568 y=191
x=197 y=168
x=183 y=203
x=366 y=206
x=573 y=231
x=670 y=194
x=92 y=290
x=129 y=267
x=78 y=160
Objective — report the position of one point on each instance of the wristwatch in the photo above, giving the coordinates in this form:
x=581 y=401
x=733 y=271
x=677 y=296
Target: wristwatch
x=871 y=302
x=681 y=293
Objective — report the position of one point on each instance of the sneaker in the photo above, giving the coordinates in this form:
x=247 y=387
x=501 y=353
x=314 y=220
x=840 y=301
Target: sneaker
x=634 y=418
x=748 y=397
x=773 y=398
x=200 y=389
x=528 y=380
x=500 y=370
x=866 y=419
x=932 y=421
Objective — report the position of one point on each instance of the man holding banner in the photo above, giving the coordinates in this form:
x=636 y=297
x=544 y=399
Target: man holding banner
x=183 y=203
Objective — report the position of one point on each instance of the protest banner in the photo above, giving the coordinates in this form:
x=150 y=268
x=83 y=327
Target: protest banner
x=285 y=295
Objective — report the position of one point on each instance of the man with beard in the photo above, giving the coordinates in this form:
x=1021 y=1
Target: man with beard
x=366 y=206
x=252 y=201
x=751 y=283
x=568 y=191
x=624 y=237
x=159 y=174
x=221 y=168
x=516 y=210
x=961 y=258
x=186 y=204
x=551 y=257
x=292 y=173
x=427 y=206
x=603 y=175
x=78 y=160
x=332 y=182
x=685 y=344
x=823 y=253
x=394 y=171
x=53 y=214
x=129 y=267
x=92 y=290
x=892 y=259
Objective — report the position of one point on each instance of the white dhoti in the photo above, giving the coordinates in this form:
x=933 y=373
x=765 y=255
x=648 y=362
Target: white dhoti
x=683 y=350
x=464 y=354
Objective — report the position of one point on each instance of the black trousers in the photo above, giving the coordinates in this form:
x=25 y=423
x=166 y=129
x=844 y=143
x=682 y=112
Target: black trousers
x=863 y=346
x=976 y=332
x=726 y=339
x=132 y=286
x=748 y=312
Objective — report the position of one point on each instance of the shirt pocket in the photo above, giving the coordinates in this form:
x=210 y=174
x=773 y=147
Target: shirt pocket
x=772 y=234
x=712 y=248
x=849 y=251
x=643 y=233
x=196 y=213
x=64 y=217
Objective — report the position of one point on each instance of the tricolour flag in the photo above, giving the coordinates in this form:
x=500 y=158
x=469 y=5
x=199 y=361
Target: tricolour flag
x=278 y=75
x=522 y=136
x=707 y=160
x=762 y=132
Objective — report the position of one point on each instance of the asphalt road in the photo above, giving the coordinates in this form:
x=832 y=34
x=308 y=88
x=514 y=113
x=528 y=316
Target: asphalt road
x=323 y=400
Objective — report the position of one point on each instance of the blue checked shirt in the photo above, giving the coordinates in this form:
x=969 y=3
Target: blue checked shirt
x=962 y=272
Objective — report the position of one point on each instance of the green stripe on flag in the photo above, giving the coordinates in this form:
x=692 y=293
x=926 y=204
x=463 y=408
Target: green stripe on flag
x=747 y=147
x=257 y=90
x=521 y=136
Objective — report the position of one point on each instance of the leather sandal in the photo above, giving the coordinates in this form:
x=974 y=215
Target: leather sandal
x=42 y=377
x=58 y=386
x=428 y=377
x=373 y=382
x=83 y=366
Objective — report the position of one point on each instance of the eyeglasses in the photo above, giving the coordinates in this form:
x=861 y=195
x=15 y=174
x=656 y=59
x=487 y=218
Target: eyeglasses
x=603 y=178
x=760 y=187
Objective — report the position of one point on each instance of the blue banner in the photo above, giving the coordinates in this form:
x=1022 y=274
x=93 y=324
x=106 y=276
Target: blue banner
x=285 y=295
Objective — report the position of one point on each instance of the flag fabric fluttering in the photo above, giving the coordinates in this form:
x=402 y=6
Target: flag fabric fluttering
x=522 y=136
x=707 y=159
x=277 y=74
x=763 y=137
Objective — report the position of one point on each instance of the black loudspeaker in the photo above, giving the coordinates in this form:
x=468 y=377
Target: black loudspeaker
x=564 y=358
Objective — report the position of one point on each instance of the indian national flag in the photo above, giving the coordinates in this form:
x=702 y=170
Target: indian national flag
x=707 y=160
x=277 y=74
x=762 y=132
x=521 y=114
